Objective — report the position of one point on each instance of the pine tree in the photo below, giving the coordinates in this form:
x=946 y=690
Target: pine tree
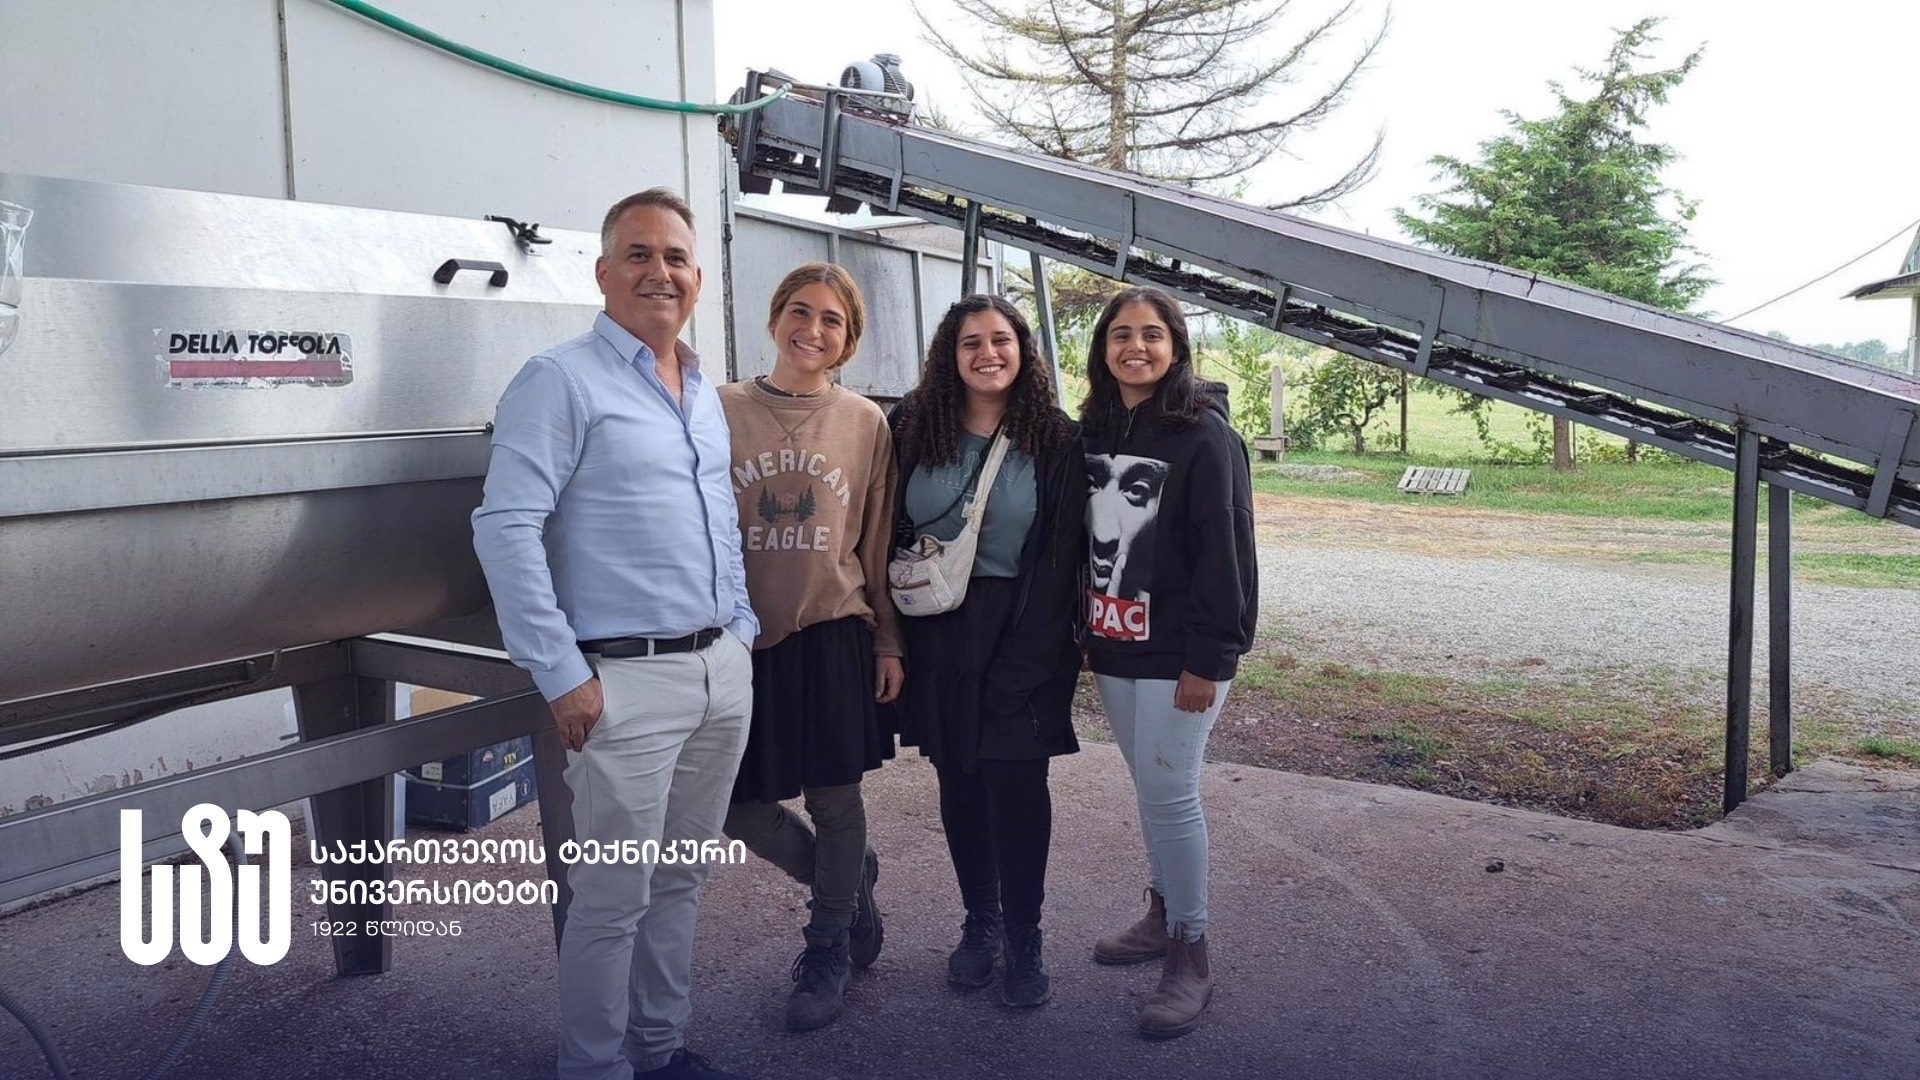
x=1577 y=196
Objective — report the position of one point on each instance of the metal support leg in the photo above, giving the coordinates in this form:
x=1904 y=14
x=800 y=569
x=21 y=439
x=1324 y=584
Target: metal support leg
x=970 y=249
x=830 y=146
x=1049 y=342
x=556 y=815
x=921 y=316
x=1779 y=629
x=362 y=811
x=830 y=163
x=1746 y=512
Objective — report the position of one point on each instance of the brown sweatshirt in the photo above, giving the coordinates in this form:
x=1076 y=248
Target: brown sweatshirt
x=814 y=477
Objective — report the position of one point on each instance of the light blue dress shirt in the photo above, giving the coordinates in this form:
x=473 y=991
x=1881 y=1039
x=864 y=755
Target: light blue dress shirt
x=608 y=510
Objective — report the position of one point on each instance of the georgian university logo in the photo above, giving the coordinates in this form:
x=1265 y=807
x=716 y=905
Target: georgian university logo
x=206 y=829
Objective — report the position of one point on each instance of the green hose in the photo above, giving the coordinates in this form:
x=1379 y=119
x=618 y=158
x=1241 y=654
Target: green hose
x=521 y=71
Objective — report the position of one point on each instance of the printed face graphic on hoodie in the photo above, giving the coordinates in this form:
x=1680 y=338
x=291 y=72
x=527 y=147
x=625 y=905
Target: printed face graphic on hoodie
x=1169 y=523
x=1123 y=502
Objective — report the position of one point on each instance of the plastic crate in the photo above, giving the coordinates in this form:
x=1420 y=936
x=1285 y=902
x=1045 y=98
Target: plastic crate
x=463 y=807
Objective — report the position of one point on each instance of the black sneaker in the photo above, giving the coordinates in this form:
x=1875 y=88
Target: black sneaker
x=687 y=1065
x=820 y=975
x=867 y=935
x=971 y=962
x=1025 y=983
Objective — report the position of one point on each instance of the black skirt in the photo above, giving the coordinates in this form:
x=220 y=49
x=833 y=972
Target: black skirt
x=814 y=720
x=942 y=708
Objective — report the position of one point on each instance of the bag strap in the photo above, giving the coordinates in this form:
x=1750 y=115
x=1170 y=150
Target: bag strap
x=977 y=509
x=972 y=485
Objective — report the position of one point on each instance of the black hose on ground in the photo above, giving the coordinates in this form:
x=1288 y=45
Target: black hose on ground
x=58 y=1064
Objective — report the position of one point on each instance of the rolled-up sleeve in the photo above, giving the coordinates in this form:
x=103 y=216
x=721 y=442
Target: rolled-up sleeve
x=539 y=431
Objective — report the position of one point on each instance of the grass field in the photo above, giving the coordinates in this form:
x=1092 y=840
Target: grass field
x=1833 y=545
x=1433 y=431
x=1662 y=488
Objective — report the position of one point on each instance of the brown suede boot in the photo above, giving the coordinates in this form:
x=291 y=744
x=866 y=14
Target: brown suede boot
x=1144 y=940
x=1186 y=983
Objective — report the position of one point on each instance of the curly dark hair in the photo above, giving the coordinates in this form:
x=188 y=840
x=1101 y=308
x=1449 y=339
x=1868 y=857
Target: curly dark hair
x=932 y=412
x=1176 y=401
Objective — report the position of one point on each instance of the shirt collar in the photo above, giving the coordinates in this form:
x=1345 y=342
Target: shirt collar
x=636 y=352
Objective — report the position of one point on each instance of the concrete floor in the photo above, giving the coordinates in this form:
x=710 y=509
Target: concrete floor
x=1358 y=931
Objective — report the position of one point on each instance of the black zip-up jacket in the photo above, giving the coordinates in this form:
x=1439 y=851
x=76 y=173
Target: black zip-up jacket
x=1174 y=583
x=1037 y=663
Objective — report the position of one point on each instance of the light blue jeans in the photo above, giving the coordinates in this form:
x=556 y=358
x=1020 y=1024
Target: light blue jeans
x=1164 y=748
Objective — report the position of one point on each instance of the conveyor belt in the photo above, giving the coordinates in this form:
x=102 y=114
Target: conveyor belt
x=1830 y=429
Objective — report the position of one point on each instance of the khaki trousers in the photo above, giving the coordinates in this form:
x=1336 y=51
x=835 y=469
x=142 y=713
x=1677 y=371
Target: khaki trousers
x=658 y=766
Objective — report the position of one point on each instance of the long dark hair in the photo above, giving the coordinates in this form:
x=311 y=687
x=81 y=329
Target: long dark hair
x=1175 y=402
x=932 y=412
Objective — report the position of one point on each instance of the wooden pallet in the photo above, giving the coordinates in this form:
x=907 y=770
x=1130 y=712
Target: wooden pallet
x=1420 y=480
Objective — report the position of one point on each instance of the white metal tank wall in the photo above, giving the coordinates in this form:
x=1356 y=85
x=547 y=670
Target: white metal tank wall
x=195 y=94
x=176 y=95
x=379 y=120
x=201 y=94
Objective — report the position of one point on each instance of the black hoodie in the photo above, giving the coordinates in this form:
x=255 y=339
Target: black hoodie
x=1174 y=582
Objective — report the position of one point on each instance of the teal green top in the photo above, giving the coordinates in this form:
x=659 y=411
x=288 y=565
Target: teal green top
x=1010 y=506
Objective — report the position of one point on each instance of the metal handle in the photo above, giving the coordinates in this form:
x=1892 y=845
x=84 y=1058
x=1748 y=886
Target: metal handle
x=497 y=278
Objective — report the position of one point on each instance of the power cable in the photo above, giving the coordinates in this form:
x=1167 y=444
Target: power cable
x=1896 y=235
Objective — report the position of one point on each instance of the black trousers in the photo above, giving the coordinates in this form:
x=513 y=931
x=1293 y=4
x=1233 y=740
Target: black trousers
x=999 y=824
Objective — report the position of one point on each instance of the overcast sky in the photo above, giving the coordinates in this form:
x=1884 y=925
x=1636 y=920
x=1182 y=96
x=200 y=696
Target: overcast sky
x=1797 y=130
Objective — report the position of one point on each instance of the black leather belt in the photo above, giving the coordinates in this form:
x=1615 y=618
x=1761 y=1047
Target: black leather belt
x=623 y=648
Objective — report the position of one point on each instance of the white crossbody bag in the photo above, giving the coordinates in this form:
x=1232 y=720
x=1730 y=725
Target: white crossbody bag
x=930 y=576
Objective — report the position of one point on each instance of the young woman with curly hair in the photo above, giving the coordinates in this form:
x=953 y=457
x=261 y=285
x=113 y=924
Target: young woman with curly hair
x=990 y=684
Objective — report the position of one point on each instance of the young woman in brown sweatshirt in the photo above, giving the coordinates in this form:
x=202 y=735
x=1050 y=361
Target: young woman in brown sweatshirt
x=813 y=476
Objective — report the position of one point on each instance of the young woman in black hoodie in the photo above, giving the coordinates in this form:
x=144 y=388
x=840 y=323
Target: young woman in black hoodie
x=989 y=686
x=1171 y=608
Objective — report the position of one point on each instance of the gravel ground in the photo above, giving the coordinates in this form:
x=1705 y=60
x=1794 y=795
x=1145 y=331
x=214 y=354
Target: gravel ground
x=1858 y=649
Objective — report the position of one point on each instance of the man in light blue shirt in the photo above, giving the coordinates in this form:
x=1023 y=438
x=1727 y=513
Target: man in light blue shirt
x=610 y=542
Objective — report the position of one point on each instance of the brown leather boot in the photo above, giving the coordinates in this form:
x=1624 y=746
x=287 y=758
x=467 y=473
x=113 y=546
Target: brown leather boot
x=1186 y=983
x=1144 y=940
